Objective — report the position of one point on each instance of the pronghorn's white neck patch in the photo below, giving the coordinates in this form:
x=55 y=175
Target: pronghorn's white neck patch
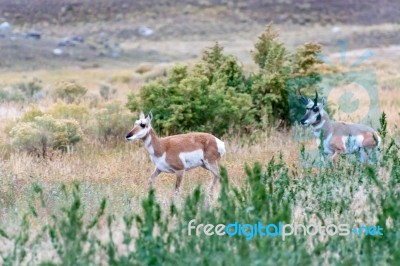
x=147 y=141
x=319 y=126
x=148 y=146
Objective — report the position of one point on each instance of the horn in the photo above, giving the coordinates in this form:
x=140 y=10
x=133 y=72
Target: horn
x=316 y=98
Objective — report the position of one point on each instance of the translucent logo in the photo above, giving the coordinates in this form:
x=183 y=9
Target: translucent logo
x=351 y=94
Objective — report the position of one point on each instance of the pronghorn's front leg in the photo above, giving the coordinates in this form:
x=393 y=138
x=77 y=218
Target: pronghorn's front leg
x=338 y=148
x=155 y=173
x=335 y=157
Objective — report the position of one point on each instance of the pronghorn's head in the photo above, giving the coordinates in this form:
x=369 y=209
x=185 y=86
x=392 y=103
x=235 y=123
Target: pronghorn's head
x=314 y=111
x=140 y=128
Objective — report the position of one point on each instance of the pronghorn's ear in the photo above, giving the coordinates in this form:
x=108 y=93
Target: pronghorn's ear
x=149 y=117
x=323 y=102
x=304 y=100
x=141 y=115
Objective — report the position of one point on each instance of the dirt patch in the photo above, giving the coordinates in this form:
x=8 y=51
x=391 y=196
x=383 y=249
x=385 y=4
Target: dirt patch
x=87 y=34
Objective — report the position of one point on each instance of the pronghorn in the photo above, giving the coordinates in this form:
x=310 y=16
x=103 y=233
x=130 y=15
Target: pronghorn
x=178 y=153
x=339 y=137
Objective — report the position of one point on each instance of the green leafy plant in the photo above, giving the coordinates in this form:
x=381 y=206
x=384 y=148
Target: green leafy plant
x=280 y=75
x=44 y=133
x=216 y=96
x=69 y=91
x=76 y=112
x=70 y=236
x=106 y=92
x=112 y=121
x=199 y=99
x=31 y=89
x=7 y=95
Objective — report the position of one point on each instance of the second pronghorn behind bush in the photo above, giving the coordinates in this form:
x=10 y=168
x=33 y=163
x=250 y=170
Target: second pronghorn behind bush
x=178 y=153
x=339 y=137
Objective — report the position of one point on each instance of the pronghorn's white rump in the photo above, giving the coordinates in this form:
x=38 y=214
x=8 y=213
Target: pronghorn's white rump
x=339 y=137
x=221 y=147
x=179 y=153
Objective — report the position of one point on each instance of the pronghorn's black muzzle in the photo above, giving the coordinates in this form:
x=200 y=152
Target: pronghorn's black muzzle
x=129 y=135
x=303 y=121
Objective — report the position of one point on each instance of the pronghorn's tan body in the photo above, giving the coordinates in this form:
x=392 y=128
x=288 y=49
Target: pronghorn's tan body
x=340 y=137
x=179 y=153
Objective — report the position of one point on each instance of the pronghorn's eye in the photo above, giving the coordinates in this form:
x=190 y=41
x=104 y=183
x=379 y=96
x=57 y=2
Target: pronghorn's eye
x=316 y=109
x=142 y=125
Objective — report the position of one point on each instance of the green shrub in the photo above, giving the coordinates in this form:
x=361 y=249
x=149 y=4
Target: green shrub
x=106 y=92
x=200 y=99
x=221 y=70
x=23 y=91
x=7 y=95
x=31 y=89
x=76 y=112
x=70 y=91
x=281 y=74
x=92 y=100
x=216 y=96
x=304 y=78
x=112 y=121
x=70 y=235
x=44 y=133
x=30 y=115
x=69 y=231
x=26 y=136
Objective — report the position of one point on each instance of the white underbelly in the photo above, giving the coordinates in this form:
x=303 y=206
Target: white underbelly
x=192 y=159
x=352 y=143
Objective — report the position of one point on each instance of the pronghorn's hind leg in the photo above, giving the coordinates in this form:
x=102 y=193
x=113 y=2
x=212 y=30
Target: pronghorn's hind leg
x=214 y=169
x=179 y=176
x=365 y=155
x=155 y=173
